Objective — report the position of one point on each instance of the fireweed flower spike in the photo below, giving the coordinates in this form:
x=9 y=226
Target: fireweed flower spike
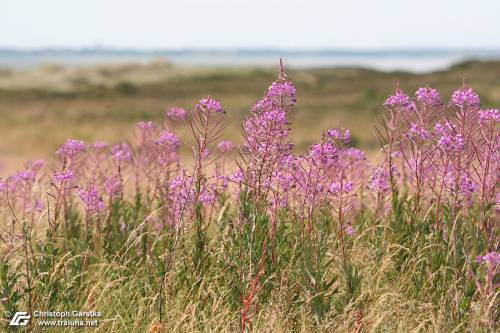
x=416 y=145
x=92 y=201
x=155 y=159
x=181 y=197
x=282 y=95
x=487 y=151
x=266 y=141
x=391 y=129
x=379 y=180
x=193 y=195
x=207 y=125
x=21 y=191
x=458 y=135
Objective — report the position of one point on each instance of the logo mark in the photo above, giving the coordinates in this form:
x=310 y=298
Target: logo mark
x=20 y=319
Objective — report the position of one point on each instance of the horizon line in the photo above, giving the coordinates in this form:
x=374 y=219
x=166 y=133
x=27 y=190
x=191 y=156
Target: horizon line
x=284 y=50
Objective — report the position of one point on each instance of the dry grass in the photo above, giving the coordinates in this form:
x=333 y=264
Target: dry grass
x=128 y=294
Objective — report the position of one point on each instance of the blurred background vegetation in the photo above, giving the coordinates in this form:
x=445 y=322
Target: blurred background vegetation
x=40 y=107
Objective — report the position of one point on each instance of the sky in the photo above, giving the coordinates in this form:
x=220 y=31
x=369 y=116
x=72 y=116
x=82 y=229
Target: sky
x=291 y=24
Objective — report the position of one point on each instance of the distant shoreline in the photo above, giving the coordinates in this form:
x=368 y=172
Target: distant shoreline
x=276 y=51
x=412 y=60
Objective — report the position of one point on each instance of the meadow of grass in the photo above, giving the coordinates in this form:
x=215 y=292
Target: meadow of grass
x=41 y=107
x=260 y=229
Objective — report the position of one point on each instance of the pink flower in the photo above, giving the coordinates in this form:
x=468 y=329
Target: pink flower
x=399 y=100
x=493 y=258
x=64 y=176
x=71 y=149
x=146 y=126
x=452 y=143
x=380 y=179
x=280 y=95
x=464 y=98
x=323 y=154
x=176 y=113
x=418 y=132
x=237 y=176
x=209 y=105
x=337 y=188
x=113 y=186
x=226 y=146
x=91 y=199
x=339 y=134
x=98 y=148
x=121 y=153
x=170 y=139
x=428 y=96
x=489 y=115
